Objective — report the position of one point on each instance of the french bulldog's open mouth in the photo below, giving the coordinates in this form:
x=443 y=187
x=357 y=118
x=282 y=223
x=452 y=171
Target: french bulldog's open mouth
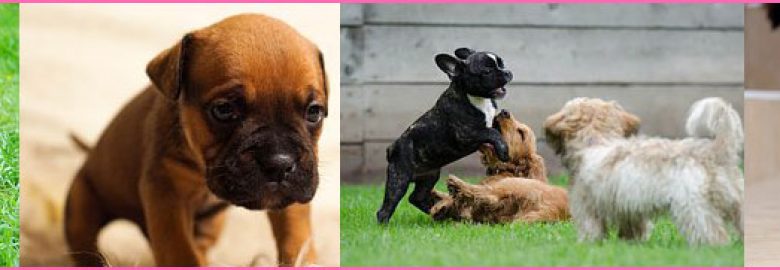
x=498 y=93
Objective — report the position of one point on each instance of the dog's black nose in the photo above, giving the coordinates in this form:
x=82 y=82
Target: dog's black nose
x=507 y=75
x=503 y=113
x=279 y=166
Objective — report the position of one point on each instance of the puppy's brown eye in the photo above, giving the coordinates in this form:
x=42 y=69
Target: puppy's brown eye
x=224 y=110
x=314 y=113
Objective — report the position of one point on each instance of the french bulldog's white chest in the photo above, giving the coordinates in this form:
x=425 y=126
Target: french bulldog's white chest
x=486 y=106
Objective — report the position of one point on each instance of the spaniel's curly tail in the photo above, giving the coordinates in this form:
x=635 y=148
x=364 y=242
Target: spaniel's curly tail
x=714 y=118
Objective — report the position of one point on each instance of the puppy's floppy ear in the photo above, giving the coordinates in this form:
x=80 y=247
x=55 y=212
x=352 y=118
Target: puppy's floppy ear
x=630 y=124
x=449 y=64
x=463 y=53
x=324 y=75
x=552 y=135
x=166 y=70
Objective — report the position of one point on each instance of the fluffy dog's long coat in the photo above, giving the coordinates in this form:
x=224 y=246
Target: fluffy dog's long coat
x=627 y=181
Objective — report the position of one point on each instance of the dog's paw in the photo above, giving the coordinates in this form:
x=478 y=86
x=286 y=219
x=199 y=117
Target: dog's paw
x=503 y=154
x=382 y=218
x=454 y=185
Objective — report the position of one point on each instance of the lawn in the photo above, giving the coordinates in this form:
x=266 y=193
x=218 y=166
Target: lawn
x=413 y=239
x=9 y=134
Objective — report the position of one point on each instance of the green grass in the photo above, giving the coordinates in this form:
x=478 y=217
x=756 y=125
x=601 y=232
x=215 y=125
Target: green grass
x=9 y=134
x=413 y=239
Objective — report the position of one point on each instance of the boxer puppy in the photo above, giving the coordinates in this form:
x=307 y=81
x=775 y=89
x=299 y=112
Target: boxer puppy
x=455 y=127
x=232 y=117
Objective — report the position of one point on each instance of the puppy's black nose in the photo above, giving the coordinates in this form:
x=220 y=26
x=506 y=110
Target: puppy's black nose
x=503 y=113
x=507 y=75
x=279 y=166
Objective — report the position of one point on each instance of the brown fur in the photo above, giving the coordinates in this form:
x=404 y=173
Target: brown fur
x=150 y=164
x=514 y=191
x=523 y=160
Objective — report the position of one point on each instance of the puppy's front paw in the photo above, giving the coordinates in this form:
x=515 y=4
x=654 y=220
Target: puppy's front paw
x=454 y=185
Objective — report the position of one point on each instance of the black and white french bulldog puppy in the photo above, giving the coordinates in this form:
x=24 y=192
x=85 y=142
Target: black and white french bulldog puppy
x=455 y=127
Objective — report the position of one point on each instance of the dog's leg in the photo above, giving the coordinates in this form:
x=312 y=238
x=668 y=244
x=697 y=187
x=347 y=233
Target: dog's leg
x=208 y=229
x=292 y=230
x=698 y=221
x=590 y=227
x=395 y=188
x=170 y=219
x=493 y=137
x=84 y=218
x=459 y=189
x=423 y=185
x=638 y=230
x=738 y=222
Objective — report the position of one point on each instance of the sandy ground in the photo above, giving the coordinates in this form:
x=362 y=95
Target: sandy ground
x=81 y=63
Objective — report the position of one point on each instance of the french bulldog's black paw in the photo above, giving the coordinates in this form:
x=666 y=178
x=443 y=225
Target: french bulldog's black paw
x=502 y=153
x=382 y=218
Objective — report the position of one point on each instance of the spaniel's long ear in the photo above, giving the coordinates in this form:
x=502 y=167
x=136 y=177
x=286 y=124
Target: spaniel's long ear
x=630 y=124
x=553 y=134
x=167 y=69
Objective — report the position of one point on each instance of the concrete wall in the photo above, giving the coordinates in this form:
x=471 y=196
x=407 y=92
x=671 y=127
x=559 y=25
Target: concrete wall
x=654 y=59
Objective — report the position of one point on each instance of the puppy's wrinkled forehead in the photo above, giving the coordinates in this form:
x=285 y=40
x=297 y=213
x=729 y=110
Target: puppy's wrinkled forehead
x=486 y=58
x=254 y=52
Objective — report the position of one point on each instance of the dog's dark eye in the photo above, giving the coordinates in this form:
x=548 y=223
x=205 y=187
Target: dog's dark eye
x=500 y=62
x=314 y=113
x=225 y=110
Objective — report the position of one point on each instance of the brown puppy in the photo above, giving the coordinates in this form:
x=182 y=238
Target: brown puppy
x=233 y=117
x=523 y=159
x=514 y=190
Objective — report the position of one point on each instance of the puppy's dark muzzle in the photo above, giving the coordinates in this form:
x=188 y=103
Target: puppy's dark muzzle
x=279 y=167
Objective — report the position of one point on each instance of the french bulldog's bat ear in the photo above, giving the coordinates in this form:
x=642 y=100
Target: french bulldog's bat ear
x=449 y=64
x=166 y=70
x=463 y=53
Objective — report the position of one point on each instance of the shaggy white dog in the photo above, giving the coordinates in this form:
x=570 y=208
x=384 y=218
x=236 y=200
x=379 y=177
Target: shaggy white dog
x=624 y=181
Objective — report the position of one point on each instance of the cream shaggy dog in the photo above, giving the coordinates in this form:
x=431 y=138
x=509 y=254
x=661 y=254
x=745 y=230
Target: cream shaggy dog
x=624 y=181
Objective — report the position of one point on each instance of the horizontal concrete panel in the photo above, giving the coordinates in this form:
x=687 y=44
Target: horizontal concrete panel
x=609 y=15
x=405 y=54
x=351 y=162
x=389 y=109
x=351 y=54
x=351 y=14
x=353 y=108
